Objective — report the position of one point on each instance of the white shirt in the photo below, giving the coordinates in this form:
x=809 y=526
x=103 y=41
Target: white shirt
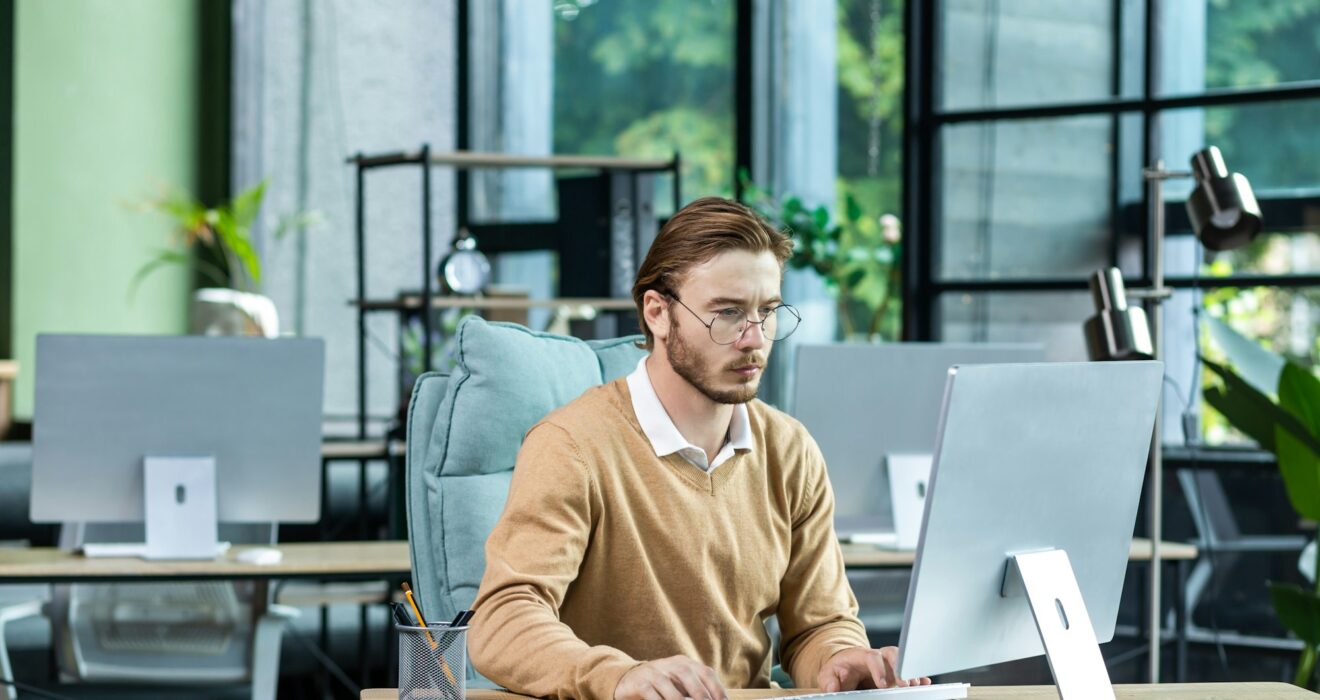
x=663 y=434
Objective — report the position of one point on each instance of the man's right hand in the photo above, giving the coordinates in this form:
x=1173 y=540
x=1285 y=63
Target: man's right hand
x=674 y=678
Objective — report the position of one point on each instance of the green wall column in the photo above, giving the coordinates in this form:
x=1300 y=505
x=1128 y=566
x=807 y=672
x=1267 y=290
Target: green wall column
x=105 y=116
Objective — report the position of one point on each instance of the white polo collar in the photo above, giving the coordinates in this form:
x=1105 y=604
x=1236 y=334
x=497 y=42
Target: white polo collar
x=664 y=436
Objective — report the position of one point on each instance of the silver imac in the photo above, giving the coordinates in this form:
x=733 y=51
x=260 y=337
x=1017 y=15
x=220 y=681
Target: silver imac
x=867 y=404
x=177 y=432
x=1030 y=511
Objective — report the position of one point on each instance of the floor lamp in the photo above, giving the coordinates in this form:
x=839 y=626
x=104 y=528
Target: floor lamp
x=1224 y=215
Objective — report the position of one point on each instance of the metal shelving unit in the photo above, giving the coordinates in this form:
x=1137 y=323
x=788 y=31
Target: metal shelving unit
x=424 y=160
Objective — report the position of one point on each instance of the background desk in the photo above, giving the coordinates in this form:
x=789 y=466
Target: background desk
x=1189 y=691
x=315 y=560
x=1175 y=554
x=867 y=556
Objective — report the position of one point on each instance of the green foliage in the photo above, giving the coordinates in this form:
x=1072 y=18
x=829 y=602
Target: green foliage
x=1291 y=429
x=225 y=231
x=856 y=256
x=648 y=79
x=1298 y=609
x=1297 y=441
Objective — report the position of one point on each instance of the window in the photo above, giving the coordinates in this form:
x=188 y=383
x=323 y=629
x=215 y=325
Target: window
x=1041 y=117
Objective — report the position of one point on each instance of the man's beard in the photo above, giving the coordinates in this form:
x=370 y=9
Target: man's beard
x=688 y=365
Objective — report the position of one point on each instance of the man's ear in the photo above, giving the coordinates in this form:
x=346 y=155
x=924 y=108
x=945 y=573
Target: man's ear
x=655 y=309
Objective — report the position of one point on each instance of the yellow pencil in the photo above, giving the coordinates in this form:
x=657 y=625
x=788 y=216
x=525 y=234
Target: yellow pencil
x=421 y=622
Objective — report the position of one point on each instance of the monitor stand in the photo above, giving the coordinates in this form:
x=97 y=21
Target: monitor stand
x=1047 y=580
x=179 y=498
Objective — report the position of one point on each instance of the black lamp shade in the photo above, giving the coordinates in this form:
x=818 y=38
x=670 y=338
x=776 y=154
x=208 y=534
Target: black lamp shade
x=1222 y=207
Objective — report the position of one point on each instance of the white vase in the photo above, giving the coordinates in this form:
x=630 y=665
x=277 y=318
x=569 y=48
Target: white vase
x=219 y=311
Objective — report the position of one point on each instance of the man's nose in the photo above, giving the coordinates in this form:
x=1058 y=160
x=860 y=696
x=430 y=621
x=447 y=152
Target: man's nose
x=753 y=337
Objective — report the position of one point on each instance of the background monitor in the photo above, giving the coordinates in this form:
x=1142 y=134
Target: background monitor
x=104 y=403
x=1030 y=458
x=863 y=402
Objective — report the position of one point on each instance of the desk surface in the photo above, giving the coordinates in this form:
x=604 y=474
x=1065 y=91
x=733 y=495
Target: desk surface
x=345 y=560
x=866 y=556
x=1164 y=691
x=319 y=560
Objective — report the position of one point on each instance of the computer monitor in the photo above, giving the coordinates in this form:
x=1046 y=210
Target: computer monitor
x=230 y=428
x=1036 y=480
x=865 y=403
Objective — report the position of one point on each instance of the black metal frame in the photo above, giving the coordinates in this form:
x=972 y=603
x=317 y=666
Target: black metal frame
x=922 y=286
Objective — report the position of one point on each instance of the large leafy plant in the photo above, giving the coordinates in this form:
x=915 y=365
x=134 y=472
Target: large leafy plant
x=856 y=254
x=1276 y=402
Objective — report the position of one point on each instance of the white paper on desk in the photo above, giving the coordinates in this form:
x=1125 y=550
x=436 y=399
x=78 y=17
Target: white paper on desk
x=908 y=476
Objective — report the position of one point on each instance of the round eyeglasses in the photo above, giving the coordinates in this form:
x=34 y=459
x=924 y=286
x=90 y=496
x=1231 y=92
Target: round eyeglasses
x=777 y=322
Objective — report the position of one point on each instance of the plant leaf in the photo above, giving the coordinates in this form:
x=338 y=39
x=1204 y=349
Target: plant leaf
x=246 y=204
x=1251 y=411
x=1258 y=366
x=1298 y=609
x=821 y=217
x=1299 y=458
x=1243 y=405
x=235 y=238
x=164 y=257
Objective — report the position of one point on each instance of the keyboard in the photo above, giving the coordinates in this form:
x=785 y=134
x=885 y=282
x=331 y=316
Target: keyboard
x=938 y=691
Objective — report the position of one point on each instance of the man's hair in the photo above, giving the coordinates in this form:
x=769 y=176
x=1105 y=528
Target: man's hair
x=698 y=232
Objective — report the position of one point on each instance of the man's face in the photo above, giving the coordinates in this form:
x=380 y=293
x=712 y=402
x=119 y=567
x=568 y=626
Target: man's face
x=732 y=280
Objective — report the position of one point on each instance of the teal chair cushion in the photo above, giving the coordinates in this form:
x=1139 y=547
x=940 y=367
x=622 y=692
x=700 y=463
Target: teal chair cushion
x=464 y=431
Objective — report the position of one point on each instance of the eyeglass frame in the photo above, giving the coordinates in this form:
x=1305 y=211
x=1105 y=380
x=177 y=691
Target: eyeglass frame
x=747 y=320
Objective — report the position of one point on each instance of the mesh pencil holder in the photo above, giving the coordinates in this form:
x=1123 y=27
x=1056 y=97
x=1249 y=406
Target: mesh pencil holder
x=432 y=662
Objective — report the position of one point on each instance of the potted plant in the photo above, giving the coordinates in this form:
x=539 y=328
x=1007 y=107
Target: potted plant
x=857 y=255
x=1276 y=402
x=217 y=243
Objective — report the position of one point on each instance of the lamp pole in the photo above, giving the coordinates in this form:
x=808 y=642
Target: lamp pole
x=1153 y=301
x=1224 y=215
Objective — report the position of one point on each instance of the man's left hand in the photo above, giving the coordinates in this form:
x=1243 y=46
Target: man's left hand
x=859 y=667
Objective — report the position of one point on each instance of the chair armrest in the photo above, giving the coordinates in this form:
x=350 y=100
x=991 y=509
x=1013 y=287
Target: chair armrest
x=8 y=614
x=1263 y=543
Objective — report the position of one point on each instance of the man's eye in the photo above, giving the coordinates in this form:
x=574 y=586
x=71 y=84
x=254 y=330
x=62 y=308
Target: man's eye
x=730 y=313
x=767 y=310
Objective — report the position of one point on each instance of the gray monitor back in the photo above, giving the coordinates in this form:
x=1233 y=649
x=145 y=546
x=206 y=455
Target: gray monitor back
x=1030 y=457
x=862 y=402
x=103 y=403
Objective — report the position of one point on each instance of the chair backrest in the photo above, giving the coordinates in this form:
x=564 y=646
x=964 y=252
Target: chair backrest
x=154 y=632
x=464 y=431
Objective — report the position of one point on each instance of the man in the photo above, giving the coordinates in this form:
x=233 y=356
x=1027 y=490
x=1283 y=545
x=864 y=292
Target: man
x=656 y=522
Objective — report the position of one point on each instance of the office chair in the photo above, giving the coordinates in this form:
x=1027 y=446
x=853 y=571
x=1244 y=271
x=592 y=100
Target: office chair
x=464 y=431
x=1221 y=544
x=166 y=633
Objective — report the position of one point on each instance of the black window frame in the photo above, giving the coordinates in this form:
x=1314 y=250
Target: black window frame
x=924 y=121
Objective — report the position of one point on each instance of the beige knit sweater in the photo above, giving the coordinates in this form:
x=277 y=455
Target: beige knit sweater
x=607 y=556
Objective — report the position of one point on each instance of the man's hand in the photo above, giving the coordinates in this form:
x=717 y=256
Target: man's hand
x=674 y=678
x=859 y=667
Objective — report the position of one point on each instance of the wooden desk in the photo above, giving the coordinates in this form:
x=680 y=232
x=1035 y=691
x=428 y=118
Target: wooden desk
x=1165 y=691
x=345 y=560
x=867 y=556
x=315 y=560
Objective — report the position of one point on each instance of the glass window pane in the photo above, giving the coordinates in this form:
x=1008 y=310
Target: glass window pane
x=1239 y=44
x=870 y=42
x=646 y=79
x=1053 y=319
x=1000 y=54
x=1272 y=144
x=1025 y=199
